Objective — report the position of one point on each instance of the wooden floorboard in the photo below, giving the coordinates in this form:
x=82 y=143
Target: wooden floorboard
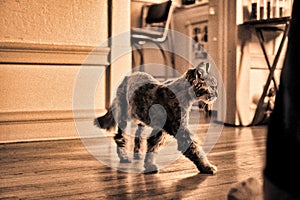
x=66 y=170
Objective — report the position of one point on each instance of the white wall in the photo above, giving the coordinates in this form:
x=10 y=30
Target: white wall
x=82 y=22
x=42 y=47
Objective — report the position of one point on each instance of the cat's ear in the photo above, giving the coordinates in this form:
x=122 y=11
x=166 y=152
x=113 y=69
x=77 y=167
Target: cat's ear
x=207 y=67
x=203 y=68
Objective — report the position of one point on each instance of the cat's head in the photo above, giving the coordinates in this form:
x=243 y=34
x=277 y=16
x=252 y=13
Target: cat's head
x=203 y=83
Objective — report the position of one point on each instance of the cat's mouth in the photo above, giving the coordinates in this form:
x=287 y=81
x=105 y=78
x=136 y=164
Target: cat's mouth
x=213 y=96
x=208 y=97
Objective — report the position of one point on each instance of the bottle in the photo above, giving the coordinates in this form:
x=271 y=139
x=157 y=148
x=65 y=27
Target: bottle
x=274 y=8
x=269 y=9
x=253 y=9
x=281 y=8
x=262 y=9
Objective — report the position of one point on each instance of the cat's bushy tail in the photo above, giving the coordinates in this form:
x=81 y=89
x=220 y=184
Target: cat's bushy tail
x=106 y=121
x=114 y=112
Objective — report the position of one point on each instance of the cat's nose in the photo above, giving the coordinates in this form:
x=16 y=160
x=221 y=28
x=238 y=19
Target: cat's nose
x=213 y=94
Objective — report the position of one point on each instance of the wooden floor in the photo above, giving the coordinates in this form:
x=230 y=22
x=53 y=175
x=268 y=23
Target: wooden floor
x=66 y=170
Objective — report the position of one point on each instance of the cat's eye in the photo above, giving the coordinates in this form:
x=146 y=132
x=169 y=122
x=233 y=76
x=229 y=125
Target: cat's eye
x=213 y=87
x=198 y=74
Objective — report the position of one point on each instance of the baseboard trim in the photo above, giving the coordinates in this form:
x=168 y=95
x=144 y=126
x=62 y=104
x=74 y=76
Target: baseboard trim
x=33 y=126
x=46 y=116
x=22 y=126
x=52 y=54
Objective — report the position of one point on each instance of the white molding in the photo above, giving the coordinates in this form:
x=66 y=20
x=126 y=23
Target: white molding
x=32 y=126
x=22 y=117
x=28 y=53
x=48 y=54
x=23 y=126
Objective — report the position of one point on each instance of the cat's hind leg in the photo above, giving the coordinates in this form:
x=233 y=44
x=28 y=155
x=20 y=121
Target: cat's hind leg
x=138 y=141
x=153 y=143
x=121 y=141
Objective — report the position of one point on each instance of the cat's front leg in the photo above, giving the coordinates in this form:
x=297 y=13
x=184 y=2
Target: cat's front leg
x=198 y=157
x=195 y=153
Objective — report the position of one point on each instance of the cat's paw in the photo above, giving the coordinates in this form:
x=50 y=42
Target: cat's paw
x=209 y=169
x=150 y=169
x=125 y=160
x=137 y=156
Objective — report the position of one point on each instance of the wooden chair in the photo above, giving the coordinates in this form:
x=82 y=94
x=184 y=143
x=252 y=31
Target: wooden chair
x=156 y=19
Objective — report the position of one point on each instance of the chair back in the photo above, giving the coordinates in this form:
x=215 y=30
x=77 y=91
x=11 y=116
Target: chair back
x=158 y=13
x=159 y=16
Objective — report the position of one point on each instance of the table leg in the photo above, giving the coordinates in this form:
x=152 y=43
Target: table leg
x=261 y=42
x=270 y=77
